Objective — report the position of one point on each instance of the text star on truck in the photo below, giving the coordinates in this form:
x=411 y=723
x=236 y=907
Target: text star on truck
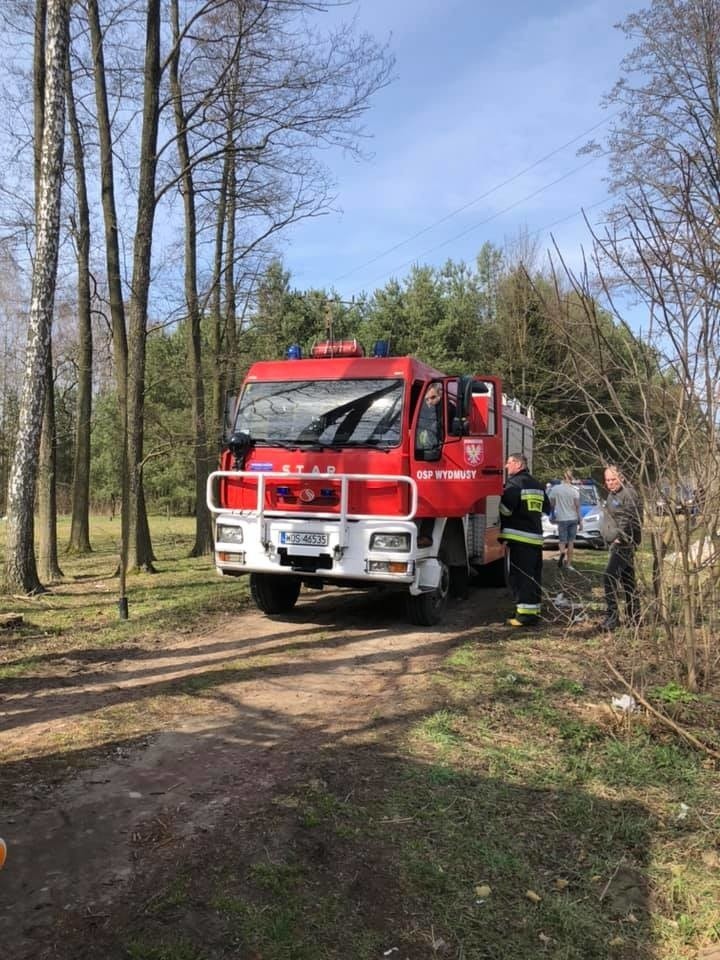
x=329 y=471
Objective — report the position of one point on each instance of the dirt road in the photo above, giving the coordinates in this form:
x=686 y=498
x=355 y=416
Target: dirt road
x=224 y=718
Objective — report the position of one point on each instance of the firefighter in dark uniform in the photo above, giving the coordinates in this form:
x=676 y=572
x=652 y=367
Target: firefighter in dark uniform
x=521 y=508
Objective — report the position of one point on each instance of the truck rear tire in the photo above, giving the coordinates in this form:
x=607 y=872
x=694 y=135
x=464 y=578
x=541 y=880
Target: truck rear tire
x=427 y=609
x=273 y=593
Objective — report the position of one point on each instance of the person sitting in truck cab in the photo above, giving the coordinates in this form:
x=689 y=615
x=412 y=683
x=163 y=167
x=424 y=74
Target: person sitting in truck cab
x=428 y=439
x=430 y=423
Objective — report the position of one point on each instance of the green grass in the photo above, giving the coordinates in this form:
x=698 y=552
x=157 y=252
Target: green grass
x=573 y=829
x=509 y=771
x=19 y=668
x=178 y=950
x=639 y=762
x=81 y=610
x=439 y=729
x=174 y=895
x=673 y=692
x=565 y=685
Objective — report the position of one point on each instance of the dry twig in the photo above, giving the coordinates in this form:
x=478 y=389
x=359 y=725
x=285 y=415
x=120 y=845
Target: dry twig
x=681 y=731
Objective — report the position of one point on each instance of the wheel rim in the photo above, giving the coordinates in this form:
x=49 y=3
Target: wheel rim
x=443 y=588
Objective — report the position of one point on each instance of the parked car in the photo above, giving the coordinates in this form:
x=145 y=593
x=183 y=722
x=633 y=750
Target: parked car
x=680 y=499
x=591 y=508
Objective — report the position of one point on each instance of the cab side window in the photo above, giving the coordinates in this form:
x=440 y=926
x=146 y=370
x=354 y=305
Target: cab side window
x=482 y=415
x=429 y=427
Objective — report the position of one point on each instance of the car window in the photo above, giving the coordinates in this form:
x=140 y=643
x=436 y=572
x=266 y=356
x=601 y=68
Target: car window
x=588 y=496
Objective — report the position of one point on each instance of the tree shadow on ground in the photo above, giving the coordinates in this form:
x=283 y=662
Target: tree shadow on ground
x=320 y=849
x=309 y=629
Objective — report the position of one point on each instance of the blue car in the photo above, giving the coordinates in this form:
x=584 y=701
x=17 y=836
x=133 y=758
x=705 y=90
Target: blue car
x=591 y=508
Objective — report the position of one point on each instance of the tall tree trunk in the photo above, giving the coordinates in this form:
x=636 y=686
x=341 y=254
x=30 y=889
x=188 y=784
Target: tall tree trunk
x=112 y=254
x=46 y=526
x=230 y=292
x=20 y=568
x=139 y=545
x=219 y=376
x=48 y=565
x=80 y=523
x=203 y=527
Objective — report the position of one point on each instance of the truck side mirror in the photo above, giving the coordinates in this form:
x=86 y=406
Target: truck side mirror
x=240 y=444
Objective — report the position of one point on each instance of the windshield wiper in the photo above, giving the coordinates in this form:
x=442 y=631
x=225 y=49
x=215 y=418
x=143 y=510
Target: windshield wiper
x=370 y=442
x=290 y=444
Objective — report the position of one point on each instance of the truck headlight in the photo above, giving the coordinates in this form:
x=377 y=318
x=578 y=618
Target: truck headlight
x=228 y=534
x=390 y=541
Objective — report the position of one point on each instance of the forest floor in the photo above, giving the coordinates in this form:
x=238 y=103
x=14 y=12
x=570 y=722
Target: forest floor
x=335 y=784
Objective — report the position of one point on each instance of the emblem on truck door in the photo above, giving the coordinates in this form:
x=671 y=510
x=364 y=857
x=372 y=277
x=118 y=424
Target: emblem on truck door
x=474 y=452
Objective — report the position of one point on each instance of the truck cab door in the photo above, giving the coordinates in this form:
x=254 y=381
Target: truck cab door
x=465 y=472
x=473 y=447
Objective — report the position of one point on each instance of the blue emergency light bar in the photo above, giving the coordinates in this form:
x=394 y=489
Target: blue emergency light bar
x=294 y=352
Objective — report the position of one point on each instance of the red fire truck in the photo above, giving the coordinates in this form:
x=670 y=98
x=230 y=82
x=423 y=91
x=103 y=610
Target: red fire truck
x=333 y=465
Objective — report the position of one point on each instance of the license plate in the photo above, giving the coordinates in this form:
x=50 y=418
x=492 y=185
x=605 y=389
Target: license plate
x=304 y=539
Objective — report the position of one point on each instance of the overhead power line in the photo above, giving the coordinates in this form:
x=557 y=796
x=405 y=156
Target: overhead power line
x=470 y=203
x=481 y=223
x=570 y=216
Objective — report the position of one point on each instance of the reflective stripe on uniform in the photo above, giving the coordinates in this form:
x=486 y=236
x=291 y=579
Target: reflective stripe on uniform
x=533 y=499
x=522 y=536
x=505 y=511
x=529 y=609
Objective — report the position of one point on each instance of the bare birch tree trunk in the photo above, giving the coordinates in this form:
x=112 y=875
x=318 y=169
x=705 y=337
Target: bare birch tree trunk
x=46 y=526
x=20 y=568
x=48 y=562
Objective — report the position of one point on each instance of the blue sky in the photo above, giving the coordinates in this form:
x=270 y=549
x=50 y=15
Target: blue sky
x=483 y=91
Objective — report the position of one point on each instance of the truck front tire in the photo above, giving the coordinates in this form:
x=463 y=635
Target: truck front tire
x=427 y=609
x=273 y=593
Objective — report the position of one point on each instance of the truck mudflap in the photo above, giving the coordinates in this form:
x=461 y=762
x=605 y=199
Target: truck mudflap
x=427 y=577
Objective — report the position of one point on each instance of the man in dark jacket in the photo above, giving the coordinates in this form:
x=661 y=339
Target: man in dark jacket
x=622 y=531
x=521 y=508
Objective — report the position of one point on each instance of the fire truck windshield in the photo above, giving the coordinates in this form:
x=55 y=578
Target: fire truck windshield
x=325 y=413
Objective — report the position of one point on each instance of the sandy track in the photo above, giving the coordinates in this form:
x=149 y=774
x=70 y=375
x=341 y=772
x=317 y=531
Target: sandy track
x=272 y=692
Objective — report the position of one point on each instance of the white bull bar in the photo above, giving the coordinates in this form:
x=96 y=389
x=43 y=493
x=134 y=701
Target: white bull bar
x=343 y=515
x=427 y=570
